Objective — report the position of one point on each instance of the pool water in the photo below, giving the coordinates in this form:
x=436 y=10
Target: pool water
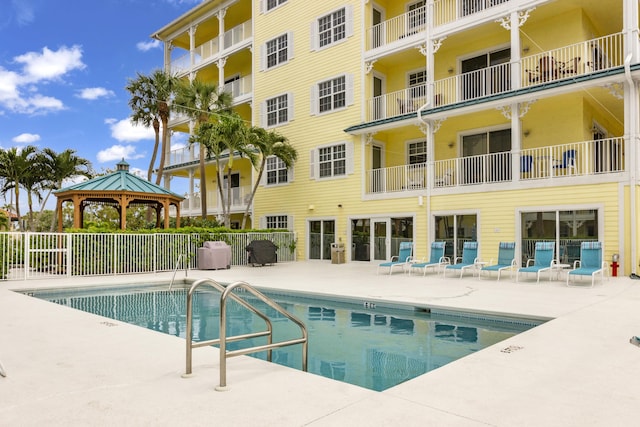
x=358 y=343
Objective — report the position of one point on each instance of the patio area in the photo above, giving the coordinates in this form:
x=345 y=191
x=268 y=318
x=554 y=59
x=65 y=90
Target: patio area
x=66 y=367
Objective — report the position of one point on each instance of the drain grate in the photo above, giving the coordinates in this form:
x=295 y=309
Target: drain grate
x=511 y=349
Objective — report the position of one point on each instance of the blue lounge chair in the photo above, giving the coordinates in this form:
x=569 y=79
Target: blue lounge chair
x=590 y=262
x=401 y=260
x=506 y=259
x=436 y=259
x=543 y=260
x=468 y=259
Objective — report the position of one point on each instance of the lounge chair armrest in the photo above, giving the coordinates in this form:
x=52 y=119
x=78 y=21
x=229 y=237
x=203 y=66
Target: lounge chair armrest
x=576 y=264
x=444 y=260
x=529 y=261
x=394 y=258
x=514 y=263
x=457 y=259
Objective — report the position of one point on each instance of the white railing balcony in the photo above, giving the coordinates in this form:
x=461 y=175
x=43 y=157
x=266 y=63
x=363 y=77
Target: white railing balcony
x=475 y=84
x=396 y=103
x=396 y=178
x=575 y=159
x=573 y=60
x=183 y=155
x=567 y=62
x=397 y=28
x=446 y=11
x=239 y=88
x=211 y=49
x=605 y=156
x=239 y=199
x=237 y=35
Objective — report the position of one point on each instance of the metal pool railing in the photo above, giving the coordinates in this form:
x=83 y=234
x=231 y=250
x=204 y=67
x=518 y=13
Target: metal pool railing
x=226 y=293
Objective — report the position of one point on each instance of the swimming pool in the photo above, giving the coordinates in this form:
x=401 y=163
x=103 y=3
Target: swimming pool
x=369 y=344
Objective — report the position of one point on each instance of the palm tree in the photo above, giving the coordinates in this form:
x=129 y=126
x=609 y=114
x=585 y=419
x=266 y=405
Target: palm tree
x=268 y=143
x=62 y=166
x=150 y=97
x=231 y=135
x=202 y=102
x=15 y=166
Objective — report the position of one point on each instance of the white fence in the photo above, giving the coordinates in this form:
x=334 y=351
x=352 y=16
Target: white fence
x=39 y=255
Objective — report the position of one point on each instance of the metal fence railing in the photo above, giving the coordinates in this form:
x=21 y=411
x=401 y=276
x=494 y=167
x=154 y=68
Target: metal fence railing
x=40 y=255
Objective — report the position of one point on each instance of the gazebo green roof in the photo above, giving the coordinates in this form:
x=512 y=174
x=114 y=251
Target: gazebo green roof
x=120 y=180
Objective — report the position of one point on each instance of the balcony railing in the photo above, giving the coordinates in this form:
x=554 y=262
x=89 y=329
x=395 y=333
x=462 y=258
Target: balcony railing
x=239 y=199
x=211 y=48
x=552 y=162
x=240 y=87
x=446 y=11
x=566 y=62
x=183 y=155
x=397 y=28
x=585 y=57
x=397 y=178
x=414 y=21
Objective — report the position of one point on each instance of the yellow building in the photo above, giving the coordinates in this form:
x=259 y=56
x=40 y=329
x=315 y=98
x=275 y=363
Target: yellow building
x=455 y=120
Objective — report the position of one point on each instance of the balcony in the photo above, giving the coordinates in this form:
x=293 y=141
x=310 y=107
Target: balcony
x=588 y=57
x=557 y=162
x=213 y=49
x=191 y=206
x=240 y=89
x=400 y=28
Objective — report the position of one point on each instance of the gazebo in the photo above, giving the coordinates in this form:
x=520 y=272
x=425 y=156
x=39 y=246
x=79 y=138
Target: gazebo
x=118 y=189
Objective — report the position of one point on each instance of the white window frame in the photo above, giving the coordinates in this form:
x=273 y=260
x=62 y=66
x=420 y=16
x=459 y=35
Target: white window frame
x=264 y=5
x=348 y=94
x=266 y=111
x=411 y=143
x=330 y=149
x=348 y=28
x=276 y=222
x=275 y=166
x=264 y=52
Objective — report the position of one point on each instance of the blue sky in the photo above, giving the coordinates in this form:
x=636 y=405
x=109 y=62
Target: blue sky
x=64 y=65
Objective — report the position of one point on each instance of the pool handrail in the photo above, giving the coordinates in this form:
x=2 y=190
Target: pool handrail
x=227 y=292
x=175 y=269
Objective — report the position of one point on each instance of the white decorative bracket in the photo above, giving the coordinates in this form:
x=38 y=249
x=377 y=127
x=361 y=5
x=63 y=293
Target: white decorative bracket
x=369 y=66
x=437 y=43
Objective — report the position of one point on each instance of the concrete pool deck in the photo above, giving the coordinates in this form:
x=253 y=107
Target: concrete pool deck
x=65 y=367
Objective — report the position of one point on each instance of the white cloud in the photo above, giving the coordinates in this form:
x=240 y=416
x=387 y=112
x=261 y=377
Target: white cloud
x=138 y=172
x=148 y=45
x=125 y=130
x=118 y=152
x=37 y=68
x=26 y=138
x=50 y=65
x=92 y=93
x=43 y=104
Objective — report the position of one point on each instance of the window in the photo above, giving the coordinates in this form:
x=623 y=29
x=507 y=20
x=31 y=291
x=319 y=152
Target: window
x=277 y=110
x=272 y=4
x=335 y=160
x=277 y=221
x=277 y=171
x=332 y=94
x=332 y=28
x=332 y=161
x=417 y=152
x=277 y=51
